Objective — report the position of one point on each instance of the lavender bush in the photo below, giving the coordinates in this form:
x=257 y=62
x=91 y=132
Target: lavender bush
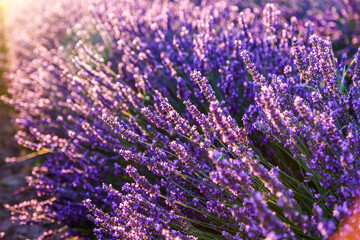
x=185 y=120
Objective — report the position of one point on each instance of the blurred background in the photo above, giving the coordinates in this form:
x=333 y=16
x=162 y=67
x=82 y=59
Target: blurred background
x=13 y=187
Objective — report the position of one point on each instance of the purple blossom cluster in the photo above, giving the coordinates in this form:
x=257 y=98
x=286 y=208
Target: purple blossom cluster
x=185 y=120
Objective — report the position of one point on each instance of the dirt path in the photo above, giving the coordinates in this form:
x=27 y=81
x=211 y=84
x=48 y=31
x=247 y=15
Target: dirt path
x=13 y=187
x=13 y=190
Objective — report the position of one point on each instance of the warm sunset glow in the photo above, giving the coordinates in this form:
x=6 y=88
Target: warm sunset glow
x=350 y=228
x=13 y=7
x=180 y=119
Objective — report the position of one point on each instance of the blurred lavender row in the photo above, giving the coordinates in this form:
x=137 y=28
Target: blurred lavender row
x=189 y=120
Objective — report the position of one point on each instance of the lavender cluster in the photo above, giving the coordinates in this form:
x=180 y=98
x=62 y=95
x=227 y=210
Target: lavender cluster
x=185 y=120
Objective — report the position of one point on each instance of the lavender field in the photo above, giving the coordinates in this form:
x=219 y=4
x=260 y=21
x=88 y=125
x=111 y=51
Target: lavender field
x=180 y=119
